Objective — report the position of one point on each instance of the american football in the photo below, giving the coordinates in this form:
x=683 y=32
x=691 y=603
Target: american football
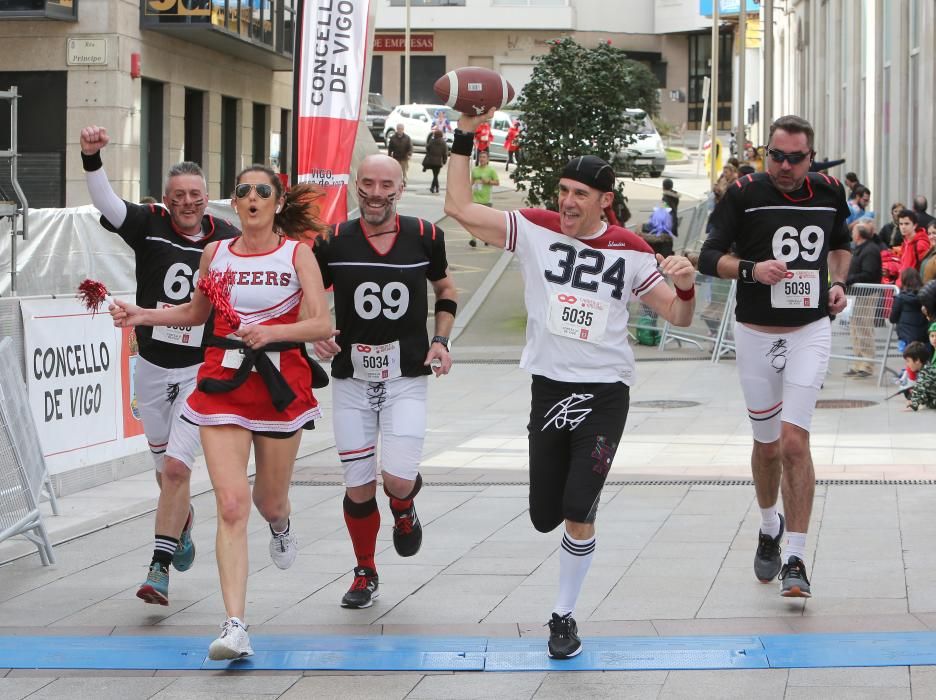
x=473 y=90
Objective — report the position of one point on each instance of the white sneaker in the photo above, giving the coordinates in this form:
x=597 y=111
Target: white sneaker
x=283 y=548
x=233 y=642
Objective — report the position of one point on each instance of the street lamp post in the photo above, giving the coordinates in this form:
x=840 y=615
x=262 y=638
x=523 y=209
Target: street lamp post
x=713 y=143
x=406 y=57
x=742 y=50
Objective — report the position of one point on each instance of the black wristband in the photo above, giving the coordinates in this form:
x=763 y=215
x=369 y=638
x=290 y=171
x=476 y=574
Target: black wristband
x=446 y=305
x=462 y=143
x=839 y=284
x=441 y=339
x=746 y=271
x=92 y=162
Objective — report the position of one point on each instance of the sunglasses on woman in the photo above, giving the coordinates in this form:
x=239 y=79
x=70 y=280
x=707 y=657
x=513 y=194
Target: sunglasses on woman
x=263 y=190
x=792 y=158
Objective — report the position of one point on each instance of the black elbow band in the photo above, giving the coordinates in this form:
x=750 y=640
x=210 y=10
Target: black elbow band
x=462 y=143
x=92 y=162
x=708 y=261
x=446 y=305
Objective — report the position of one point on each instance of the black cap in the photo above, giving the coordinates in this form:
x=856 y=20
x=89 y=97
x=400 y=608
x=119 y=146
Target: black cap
x=591 y=171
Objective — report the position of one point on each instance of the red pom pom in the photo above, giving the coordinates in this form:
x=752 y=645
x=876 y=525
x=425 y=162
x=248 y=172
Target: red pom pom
x=217 y=287
x=92 y=294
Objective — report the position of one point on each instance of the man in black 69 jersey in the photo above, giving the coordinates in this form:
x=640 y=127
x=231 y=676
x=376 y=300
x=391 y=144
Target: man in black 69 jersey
x=379 y=265
x=782 y=234
x=168 y=243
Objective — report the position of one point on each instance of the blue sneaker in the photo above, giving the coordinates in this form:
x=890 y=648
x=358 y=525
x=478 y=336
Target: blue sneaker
x=184 y=555
x=155 y=588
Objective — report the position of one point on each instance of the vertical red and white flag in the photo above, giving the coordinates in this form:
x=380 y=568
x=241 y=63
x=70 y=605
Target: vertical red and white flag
x=332 y=65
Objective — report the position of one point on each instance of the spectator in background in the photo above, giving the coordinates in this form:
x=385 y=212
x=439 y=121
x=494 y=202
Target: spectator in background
x=907 y=313
x=915 y=241
x=436 y=156
x=920 y=205
x=441 y=122
x=148 y=200
x=858 y=205
x=671 y=199
x=851 y=184
x=864 y=268
x=729 y=175
x=482 y=141
x=923 y=392
x=512 y=144
x=927 y=296
x=890 y=232
x=928 y=263
x=400 y=148
x=483 y=180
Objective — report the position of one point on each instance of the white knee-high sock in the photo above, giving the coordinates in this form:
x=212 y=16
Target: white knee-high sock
x=574 y=562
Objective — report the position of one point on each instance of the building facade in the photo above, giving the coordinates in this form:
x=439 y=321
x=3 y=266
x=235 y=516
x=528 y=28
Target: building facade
x=202 y=80
x=862 y=71
x=670 y=36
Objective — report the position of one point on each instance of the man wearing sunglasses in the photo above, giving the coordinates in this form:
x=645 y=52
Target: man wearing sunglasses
x=168 y=242
x=782 y=235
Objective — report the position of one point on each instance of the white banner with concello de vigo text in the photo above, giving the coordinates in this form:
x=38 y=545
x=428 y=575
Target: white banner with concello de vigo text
x=79 y=376
x=330 y=77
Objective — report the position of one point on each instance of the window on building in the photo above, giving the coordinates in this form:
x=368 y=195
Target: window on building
x=193 y=149
x=230 y=158
x=376 y=74
x=261 y=133
x=700 y=55
x=151 y=138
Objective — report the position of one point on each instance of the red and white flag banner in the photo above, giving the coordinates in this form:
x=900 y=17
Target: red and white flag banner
x=330 y=76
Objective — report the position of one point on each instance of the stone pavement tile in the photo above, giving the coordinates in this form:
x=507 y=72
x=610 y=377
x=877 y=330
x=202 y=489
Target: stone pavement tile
x=677 y=567
x=500 y=630
x=871 y=677
x=480 y=686
x=102 y=688
x=356 y=687
x=318 y=630
x=78 y=673
x=19 y=688
x=849 y=693
x=240 y=687
x=869 y=622
x=921 y=590
x=454 y=598
x=528 y=602
x=671 y=550
x=120 y=612
x=640 y=600
x=595 y=628
x=700 y=501
x=165 y=630
x=87 y=631
x=721 y=685
x=825 y=602
x=724 y=627
x=858 y=580
x=736 y=593
x=928 y=619
x=923 y=681
x=698 y=528
x=626 y=685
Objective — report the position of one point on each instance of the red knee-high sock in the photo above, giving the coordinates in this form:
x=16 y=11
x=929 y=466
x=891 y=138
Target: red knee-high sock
x=401 y=505
x=363 y=521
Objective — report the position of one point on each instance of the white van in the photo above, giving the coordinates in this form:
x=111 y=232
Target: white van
x=646 y=154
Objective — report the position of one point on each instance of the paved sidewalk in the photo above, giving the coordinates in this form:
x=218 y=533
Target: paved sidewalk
x=673 y=555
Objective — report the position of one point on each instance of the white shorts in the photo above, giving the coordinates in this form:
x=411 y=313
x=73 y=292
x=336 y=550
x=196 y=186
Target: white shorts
x=161 y=394
x=781 y=375
x=396 y=409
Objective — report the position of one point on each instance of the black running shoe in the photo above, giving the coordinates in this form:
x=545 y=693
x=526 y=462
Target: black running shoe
x=767 y=561
x=564 y=642
x=407 y=532
x=793 y=581
x=364 y=589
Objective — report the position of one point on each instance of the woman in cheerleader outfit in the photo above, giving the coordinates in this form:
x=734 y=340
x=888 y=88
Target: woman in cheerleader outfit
x=255 y=386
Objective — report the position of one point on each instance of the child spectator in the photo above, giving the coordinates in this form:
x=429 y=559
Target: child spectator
x=923 y=392
x=906 y=311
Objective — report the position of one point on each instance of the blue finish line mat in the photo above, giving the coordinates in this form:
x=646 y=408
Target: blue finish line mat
x=412 y=653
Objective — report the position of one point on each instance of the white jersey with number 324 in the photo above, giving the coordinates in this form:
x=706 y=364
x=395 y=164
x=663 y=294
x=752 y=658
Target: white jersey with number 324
x=576 y=292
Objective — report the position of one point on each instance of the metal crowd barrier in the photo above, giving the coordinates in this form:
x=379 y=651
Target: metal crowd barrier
x=23 y=470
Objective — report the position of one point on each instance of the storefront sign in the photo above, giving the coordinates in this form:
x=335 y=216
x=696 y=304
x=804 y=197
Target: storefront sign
x=397 y=42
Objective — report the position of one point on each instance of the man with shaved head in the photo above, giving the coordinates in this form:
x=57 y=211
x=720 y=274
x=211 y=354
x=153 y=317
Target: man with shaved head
x=378 y=265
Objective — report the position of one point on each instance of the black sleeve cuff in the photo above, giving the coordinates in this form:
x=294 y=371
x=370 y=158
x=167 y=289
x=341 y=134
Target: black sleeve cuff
x=92 y=162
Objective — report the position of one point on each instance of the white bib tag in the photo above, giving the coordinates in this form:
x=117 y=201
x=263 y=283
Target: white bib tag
x=578 y=317
x=799 y=290
x=235 y=357
x=376 y=363
x=187 y=336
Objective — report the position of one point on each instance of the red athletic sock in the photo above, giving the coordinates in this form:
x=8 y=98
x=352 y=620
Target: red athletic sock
x=400 y=506
x=363 y=521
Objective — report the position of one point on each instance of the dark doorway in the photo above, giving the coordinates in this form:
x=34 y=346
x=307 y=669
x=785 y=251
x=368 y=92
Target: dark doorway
x=285 y=155
x=194 y=126
x=376 y=74
x=424 y=71
x=40 y=126
x=228 y=144
x=151 y=138
x=261 y=133
x=700 y=60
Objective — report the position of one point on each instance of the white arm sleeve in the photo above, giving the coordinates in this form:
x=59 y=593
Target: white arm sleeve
x=112 y=207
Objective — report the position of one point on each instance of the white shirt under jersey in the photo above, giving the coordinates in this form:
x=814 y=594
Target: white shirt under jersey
x=576 y=292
